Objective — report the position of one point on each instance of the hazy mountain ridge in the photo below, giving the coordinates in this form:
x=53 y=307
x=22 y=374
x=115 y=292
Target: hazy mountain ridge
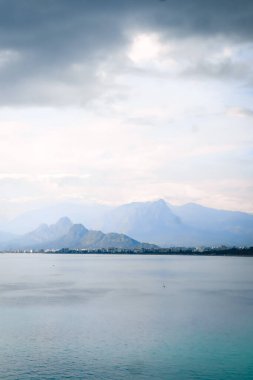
x=65 y=234
x=88 y=214
x=42 y=234
x=188 y=225
x=149 y=221
x=155 y=222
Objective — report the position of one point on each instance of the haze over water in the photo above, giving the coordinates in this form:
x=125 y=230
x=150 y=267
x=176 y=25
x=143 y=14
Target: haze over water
x=110 y=317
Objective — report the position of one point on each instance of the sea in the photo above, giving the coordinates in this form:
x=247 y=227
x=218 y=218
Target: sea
x=125 y=317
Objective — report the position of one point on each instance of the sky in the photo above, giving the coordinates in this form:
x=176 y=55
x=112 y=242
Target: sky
x=132 y=100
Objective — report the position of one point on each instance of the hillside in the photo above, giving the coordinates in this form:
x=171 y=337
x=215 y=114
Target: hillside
x=65 y=234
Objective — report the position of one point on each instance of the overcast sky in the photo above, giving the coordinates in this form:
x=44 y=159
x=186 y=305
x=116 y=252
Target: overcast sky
x=122 y=100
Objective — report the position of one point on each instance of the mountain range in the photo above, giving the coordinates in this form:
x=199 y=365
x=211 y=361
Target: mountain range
x=156 y=222
x=188 y=225
x=65 y=234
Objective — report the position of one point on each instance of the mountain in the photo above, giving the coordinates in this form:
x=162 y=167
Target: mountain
x=42 y=235
x=208 y=218
x=154 y=222
x=79 y=237
x=65 y=234
x=89 y=214
x=146 y=221
x=217 y=226
x=190 y=225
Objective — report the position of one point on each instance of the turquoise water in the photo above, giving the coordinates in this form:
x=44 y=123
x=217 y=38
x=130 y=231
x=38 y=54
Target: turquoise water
x=110 y=317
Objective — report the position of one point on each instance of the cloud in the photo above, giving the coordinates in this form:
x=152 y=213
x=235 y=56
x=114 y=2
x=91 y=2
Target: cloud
x=240 y=112
x=224 y=70
x=125 y=100
x=60 y=52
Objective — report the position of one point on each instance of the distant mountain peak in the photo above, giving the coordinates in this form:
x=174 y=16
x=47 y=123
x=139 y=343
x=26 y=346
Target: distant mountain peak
x=64 y=221
x=160 y=202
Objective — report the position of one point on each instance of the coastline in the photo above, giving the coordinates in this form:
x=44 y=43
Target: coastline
x=236 y=252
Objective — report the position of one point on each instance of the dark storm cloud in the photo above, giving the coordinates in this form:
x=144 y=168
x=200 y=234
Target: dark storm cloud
x=224 y=70
x=50 y=50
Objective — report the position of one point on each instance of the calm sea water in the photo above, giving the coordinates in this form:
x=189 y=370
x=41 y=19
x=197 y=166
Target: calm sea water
x=110 y=317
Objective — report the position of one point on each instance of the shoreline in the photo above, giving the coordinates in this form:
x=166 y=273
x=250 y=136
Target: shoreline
x=246 y=252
